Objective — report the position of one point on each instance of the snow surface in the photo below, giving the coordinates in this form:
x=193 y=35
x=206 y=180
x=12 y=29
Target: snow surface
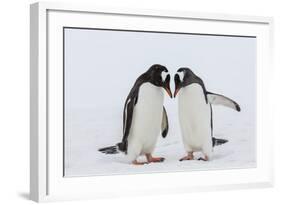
x=100 y=69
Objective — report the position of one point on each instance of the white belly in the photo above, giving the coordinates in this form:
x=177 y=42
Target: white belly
x=146 y=123
x=195 y=119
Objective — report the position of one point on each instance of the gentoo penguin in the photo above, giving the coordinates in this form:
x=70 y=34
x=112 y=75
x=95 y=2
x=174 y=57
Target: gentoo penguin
x=195 y=113
x=144 y=116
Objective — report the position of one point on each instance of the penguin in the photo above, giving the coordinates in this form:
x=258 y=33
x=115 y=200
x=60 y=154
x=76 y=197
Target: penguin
x=196 y=114
x=144 y=115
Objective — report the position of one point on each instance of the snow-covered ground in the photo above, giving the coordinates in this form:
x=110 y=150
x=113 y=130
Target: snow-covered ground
x=98 y=81
x=83 y=159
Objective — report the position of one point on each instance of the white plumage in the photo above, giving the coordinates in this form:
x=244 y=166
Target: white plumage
x=146 y=123
x=195 y=119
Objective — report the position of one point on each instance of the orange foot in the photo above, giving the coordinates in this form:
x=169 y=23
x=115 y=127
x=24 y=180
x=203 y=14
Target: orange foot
x=188 y=157
x=135 y=162
x=154 y=159
x=205 y=158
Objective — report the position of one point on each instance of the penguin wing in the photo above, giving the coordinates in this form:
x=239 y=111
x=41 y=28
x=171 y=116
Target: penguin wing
x=164 y=124
x=127 y=121
x=217 y=99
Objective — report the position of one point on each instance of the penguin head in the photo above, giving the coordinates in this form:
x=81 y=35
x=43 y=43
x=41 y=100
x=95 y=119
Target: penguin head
x=182 y=77
x=186 y=73
x=159 y=76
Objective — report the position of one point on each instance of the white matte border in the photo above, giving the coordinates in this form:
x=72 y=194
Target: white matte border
x=48 y=167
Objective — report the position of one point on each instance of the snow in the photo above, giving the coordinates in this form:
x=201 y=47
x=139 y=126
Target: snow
x=98 y=81
x=85 y=160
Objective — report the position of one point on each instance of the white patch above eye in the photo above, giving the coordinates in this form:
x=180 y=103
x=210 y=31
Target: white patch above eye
x=164 y=75
x=181 y=74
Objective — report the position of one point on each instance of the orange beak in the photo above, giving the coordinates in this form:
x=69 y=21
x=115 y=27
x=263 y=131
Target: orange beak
x=166 y=86
x=176 y=92
x=168 y=90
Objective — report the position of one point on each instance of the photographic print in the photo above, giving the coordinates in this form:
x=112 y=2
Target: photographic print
x=146 y=102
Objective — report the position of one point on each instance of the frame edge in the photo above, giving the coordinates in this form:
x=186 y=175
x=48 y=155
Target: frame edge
x=38 y=104
x=34 y=25
x=97 y=8
x=38 y=168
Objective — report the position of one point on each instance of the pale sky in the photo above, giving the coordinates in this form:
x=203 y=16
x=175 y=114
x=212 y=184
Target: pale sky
x=101 y=66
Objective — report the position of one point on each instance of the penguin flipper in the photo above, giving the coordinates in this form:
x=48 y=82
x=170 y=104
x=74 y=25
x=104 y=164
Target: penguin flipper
x=164 y=124
x=217 y=99
x=127 y=122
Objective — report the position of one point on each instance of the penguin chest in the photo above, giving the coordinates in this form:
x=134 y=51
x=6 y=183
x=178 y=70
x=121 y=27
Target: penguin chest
x=147 y=116
x=194 y=116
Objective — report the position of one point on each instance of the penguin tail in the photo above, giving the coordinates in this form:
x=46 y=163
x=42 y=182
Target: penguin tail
x=164 y=133
x=115 y=149
x=217 y=142
x=109 y=150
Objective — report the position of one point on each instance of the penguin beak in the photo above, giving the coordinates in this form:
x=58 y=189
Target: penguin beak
x=168 y=90
x=177 y=84
x=176 y=92
x=167 y=86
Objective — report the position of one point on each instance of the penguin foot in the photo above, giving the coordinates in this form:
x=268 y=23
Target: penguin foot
x=135 y=162
x=188 y=157
x=154 y=159
x=206 y=158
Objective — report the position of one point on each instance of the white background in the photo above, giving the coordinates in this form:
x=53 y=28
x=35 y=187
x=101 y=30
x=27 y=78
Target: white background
x=14 y=104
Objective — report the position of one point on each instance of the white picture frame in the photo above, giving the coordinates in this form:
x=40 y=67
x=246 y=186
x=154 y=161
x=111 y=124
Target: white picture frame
x=46 y=171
